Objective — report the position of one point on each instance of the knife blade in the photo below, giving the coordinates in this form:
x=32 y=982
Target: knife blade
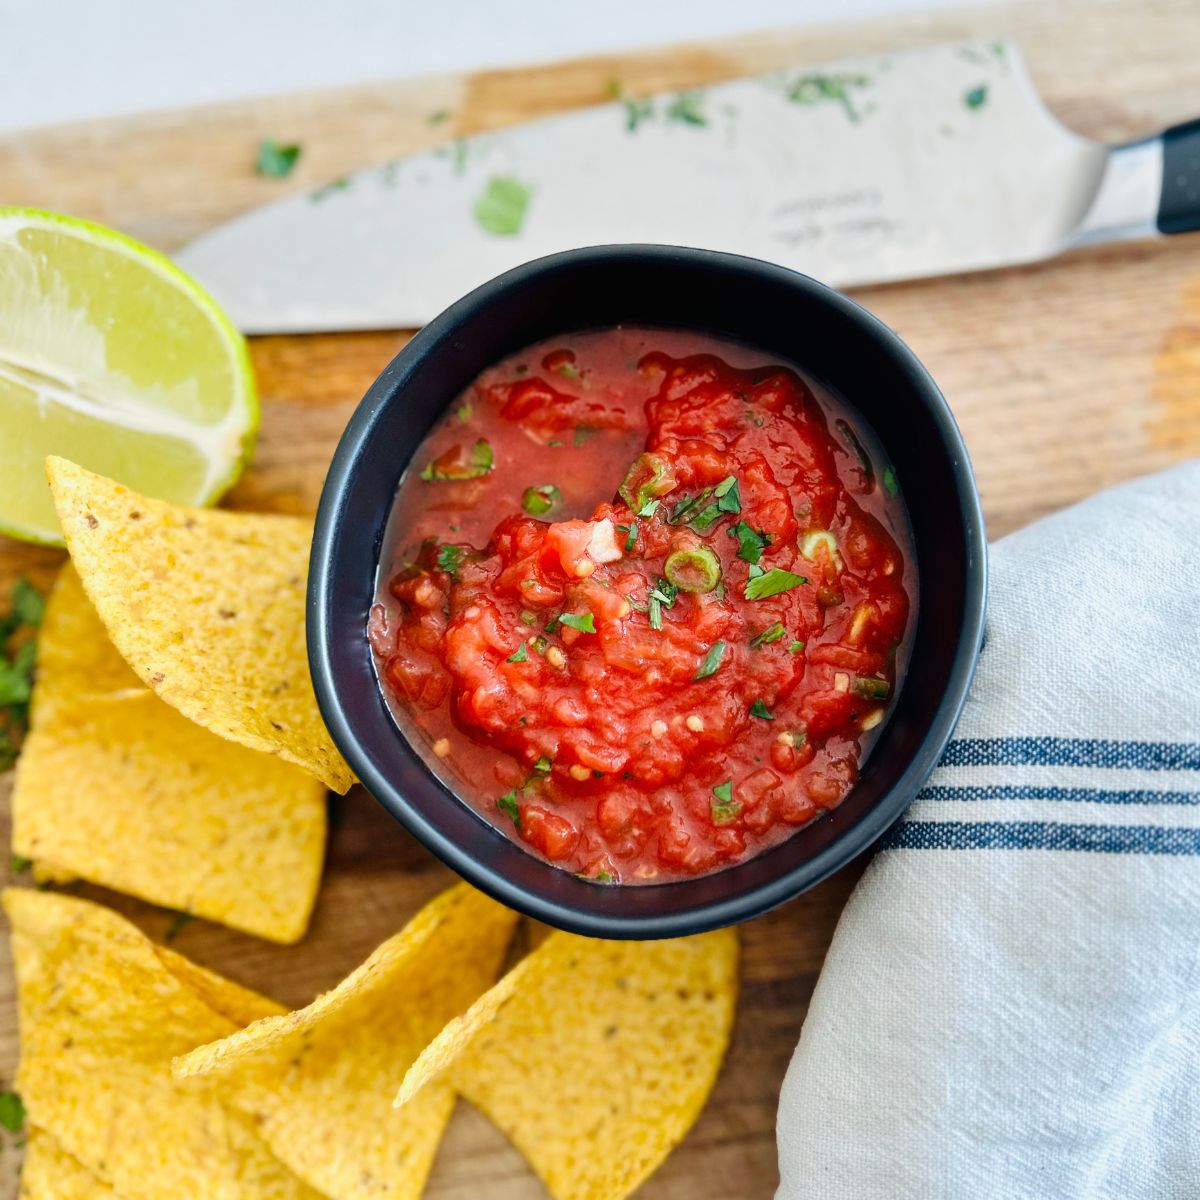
x=898 y=166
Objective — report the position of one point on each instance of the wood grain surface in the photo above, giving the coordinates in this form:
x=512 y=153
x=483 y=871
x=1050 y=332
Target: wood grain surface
x=1066 y=377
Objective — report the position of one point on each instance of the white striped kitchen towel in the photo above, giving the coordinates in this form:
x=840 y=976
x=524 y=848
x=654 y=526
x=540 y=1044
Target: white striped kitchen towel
x=1011 y=1005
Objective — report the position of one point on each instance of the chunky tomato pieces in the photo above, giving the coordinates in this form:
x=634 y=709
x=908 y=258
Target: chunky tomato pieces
x=681 y=676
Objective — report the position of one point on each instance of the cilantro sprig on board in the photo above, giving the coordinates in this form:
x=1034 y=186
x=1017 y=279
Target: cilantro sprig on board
x=18 y=654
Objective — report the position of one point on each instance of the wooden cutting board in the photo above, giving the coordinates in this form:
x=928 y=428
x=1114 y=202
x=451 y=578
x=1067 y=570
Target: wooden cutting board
x=1065 y=377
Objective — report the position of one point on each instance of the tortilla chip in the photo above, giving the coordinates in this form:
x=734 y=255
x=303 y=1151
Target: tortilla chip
x=595 y=1058
x=207 y=607
x=48 y=1172
x=116 y=787
x=318 y=1083
x=101 y=1017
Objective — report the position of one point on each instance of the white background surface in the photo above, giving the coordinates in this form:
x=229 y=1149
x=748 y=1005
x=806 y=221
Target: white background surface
x=64 y=60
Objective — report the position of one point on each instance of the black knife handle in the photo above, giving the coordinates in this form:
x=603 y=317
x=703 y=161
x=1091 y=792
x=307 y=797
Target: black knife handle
x=1179 y=204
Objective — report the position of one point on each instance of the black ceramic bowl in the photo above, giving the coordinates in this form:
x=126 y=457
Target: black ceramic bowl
x=784 y=314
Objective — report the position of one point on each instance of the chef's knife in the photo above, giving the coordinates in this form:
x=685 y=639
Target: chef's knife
x=923 y=163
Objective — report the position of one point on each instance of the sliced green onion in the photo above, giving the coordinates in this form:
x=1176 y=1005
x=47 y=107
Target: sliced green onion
x=771 y=583
x=772 y=633
x=697 y=570
x=712 y=660
x=759 y=709
x=875 y=689
x=654 y=611
x=537 y=501
x=649 y=508
x=631 y=537
x=479 y=462
x=666 y=592
x=649 y=476
x=819 y=537
x=583 y=622
x=528 y=617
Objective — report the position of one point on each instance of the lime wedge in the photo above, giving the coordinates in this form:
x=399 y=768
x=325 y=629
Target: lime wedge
x=114 y=358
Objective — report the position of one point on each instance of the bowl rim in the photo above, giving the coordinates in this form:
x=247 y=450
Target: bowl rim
x=730 y=909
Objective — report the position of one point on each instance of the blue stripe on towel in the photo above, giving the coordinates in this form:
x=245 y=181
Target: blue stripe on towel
x=1041 y=835
x=1072 y=752
x=1079 y=795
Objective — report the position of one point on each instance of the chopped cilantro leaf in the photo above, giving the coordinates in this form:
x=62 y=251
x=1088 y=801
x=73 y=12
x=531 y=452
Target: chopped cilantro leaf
x=518 y=655
x=771 y=583
x=542 y=766
x=583 y=622
x=649 y=508
x=276 y=161
x=751 y=543
x=568 y=370
x=724 y=808
x=889 y=482
x=712 y=660
x=603 y=876
x=772 y=633
x=687 y=506
x=666 y=591
x=465 y=412
x=507 y=804
x=500 y=210
x=759 y=709
x=729 y=498
x=795 y=647
x=449 y=558
x=706 y=518
x=18 y=865
x=27 y=603
x=12 y=1112
x=976 y=97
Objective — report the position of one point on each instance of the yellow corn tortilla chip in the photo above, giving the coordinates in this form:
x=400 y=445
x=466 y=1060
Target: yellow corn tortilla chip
x=594 y=1057
x=318 y=1083
x=116 y=787
x=101 y=1016
x=207 y=607
x=48 y=1172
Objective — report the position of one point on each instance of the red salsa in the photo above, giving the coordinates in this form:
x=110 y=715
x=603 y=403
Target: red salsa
x=644 y=601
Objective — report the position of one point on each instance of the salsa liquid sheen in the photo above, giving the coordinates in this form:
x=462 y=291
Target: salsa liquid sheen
x=643 y=601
